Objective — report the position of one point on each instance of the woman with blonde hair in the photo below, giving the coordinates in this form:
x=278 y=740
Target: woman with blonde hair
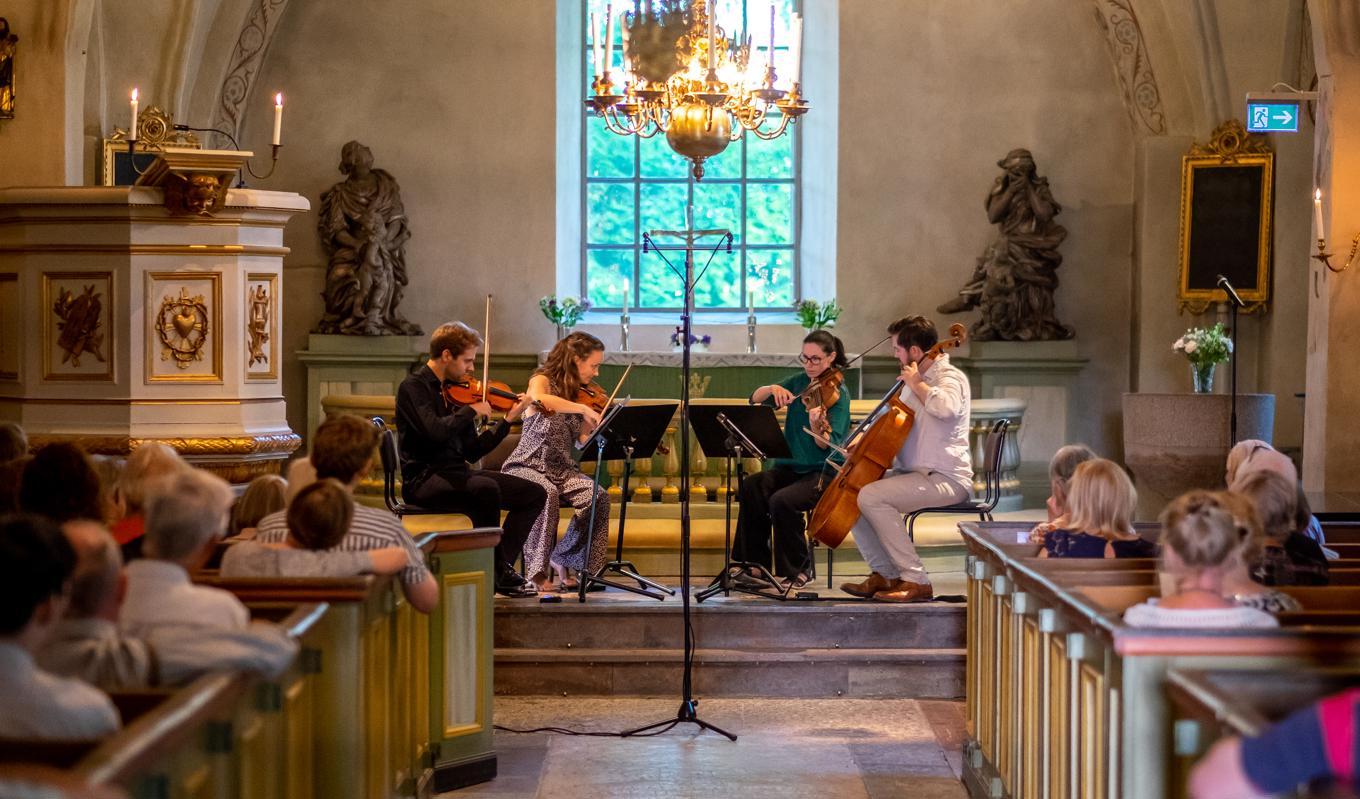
x=552 y=428
x=265 y=494
x=1200 y=540
x=1099 y=523
x=149 y=462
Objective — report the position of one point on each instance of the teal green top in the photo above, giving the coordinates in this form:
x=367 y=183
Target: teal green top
x=807 y=456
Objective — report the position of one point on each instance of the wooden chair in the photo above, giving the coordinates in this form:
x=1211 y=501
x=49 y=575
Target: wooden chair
x=991 y=481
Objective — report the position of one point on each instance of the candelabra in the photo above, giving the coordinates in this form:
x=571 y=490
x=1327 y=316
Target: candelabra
x=1326 y=257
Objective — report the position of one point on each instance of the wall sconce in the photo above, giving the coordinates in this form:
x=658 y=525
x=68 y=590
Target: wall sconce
x=1322 y=254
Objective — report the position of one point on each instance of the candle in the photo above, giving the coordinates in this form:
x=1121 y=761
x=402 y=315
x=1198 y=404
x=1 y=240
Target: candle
x=712 y=38
x=278 y=117
x=132 y=132
x=627 y=294
x=1317 y=213
x=608 y=36
x=771 y=34
x=797 y=47
x=595 y=42
x=627 y=69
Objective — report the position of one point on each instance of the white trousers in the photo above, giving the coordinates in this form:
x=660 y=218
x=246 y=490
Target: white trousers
x=881 y=533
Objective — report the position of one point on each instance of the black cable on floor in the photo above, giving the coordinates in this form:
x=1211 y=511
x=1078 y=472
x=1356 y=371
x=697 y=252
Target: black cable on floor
x=587 y=733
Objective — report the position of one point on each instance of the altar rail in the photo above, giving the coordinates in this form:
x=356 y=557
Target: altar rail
x=381 y=701
x=657 y=479
x=1065 y=701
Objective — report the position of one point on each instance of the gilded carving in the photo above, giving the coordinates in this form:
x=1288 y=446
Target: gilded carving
x=182 y=324
x=257 y=328
x=1124 y=37
x=79 y=324
x=265 y=444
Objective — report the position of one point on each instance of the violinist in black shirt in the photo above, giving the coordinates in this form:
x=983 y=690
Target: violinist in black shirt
x=440 y=441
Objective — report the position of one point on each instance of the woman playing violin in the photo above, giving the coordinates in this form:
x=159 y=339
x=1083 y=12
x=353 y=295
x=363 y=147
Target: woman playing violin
x=552 y=427
x=773 y=501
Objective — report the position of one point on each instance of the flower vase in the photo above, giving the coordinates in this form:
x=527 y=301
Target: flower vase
x=1202 y=377
x=562 y=332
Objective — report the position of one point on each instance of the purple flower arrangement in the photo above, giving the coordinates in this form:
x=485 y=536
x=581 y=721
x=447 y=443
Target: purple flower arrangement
x=703 y=341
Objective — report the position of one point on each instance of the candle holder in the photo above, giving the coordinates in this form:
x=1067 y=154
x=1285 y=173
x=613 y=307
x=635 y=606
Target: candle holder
x=1326 y=257
x=241 y=182
x=624 y=326
x=751 y=332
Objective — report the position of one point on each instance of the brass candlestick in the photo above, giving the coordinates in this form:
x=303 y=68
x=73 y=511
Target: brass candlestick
x=1326 y=257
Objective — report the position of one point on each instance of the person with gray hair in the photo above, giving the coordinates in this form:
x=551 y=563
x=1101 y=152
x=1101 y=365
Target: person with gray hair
x=1061 y=467
x=150 y=462
x=88 y=645
x=13 y=442
x=186 y=515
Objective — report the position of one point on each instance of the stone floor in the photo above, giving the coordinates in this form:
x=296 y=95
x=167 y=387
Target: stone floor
x=850 y=748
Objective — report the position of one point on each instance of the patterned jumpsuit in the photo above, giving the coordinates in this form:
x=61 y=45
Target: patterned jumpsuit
x=543 y=455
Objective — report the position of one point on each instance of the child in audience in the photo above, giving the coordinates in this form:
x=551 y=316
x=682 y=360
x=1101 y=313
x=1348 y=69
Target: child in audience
x=1064 y=462
x=1315 y=743
x=60 y=482
x=1200 y=541
x=148 y=463
x=318 y=518
x=35 y=564
x=1099 y=521
x=1288 y=557
x=265 y=494
x=186 y=515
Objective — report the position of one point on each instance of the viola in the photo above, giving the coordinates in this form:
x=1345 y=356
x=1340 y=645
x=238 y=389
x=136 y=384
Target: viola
x=469 y=391
x=878 y=439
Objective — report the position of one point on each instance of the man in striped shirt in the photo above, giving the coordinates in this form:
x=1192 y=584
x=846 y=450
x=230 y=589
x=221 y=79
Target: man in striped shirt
x=343 y=448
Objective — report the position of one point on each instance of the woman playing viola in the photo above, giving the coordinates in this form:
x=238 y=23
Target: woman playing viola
x=774 y=500
x=552 y=428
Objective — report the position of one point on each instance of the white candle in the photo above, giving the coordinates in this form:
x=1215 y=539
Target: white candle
x=712 y=37
x=627 y=293
x=278 y=117
x=608 y=36
x=626 y=66
x=595 y=42
x=771 y=34
x=1317 y=213
x=132 y=132
x=797 y=47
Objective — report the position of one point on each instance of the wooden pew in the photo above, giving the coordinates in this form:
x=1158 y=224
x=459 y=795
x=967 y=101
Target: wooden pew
x=1065 y=701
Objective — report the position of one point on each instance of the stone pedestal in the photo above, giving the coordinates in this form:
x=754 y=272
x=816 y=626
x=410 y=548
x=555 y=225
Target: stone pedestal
x=1176 y=442
x=373 y=365
x=122 y=321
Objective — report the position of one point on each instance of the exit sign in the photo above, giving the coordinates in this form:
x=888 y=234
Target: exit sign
x=1275 y=116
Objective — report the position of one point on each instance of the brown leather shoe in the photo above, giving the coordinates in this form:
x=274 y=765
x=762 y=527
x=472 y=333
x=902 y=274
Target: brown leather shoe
x=875 y=583
x=903 y=591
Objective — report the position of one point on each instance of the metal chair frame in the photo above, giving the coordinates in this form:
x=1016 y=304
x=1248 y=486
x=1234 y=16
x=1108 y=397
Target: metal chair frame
x=991 y=481
x=387 y=451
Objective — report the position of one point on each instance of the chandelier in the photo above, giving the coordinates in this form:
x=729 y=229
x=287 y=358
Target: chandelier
x=682 y=76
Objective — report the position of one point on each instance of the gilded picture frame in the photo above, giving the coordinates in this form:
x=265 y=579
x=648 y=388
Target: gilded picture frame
x=173 y=351
x=1226 y=220
x=253 y=328
x=82 y=327
x=155 y=132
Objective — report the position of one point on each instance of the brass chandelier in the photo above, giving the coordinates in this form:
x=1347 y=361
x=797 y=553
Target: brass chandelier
x=683 y=76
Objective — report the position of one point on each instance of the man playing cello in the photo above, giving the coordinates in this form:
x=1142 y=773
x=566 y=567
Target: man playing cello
x=933 y=467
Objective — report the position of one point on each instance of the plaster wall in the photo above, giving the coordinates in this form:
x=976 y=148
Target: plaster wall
x=32 y=145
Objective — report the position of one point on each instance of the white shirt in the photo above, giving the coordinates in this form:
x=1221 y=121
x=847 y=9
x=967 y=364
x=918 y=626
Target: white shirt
x=35 y=704
x=159 y=595
x=1149 y=614
x=938 y=441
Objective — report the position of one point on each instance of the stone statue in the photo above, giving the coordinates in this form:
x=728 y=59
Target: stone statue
x=363 y=228
x=1016 y=276
x=7 y=48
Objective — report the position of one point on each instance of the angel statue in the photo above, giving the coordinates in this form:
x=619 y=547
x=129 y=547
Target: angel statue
x=363 y=229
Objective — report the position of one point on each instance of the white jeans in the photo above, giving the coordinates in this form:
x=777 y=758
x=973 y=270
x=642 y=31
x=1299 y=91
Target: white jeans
x=881 y=534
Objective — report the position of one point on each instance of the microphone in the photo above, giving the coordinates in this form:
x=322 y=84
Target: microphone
x=1232 y=292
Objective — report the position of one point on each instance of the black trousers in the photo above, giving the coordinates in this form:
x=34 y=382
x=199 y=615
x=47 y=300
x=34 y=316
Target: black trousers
x=772 y=504
x=482 y=495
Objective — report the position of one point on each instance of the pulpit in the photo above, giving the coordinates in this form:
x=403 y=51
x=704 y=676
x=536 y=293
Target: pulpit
x=128 y=316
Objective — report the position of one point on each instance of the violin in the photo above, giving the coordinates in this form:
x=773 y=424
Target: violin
x=823 y=392
x=592 y=395
x=470 y=391
x=880 y=437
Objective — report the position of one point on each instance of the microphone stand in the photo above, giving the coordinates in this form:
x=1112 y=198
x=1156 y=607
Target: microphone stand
x=1236 y=302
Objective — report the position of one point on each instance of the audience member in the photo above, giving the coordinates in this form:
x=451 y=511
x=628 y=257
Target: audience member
x=1313 y=744
x=186 y=515
x=88 y=645
x=343 y=448
x=1237 y=582
x=1200 y=540
x=13 y=442
x=35 y=564
x=11 y=476
x=148 y=463
x=61 y=483
x=1060 y=468
x=301 y=473
x=1252 y=456
x=1288 y=557
x=1100 y=506
x=265 y=494
x=318 y=519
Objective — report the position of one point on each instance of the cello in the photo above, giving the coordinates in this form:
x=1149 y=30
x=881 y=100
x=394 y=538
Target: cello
x=880 y=437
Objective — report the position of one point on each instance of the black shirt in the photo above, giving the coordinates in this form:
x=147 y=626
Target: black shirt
x=435 y=435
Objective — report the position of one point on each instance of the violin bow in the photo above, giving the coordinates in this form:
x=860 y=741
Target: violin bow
x=619 y=385
x=486 y=353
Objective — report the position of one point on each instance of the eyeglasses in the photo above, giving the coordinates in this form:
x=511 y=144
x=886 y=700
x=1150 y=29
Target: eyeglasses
x=815 y=360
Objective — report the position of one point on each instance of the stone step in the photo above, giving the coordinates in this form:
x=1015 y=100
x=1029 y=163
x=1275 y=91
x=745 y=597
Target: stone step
x=800 y=673
x=729 y=624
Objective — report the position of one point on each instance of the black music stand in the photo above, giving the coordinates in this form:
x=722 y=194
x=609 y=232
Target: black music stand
x=632 y=431
x=735 y=432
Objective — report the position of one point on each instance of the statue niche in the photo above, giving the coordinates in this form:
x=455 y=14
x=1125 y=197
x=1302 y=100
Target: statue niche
x=1015 y=277
x=364 y=230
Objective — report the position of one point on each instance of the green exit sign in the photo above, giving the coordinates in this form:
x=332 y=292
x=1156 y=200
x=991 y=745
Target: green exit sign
x=1274 y=116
